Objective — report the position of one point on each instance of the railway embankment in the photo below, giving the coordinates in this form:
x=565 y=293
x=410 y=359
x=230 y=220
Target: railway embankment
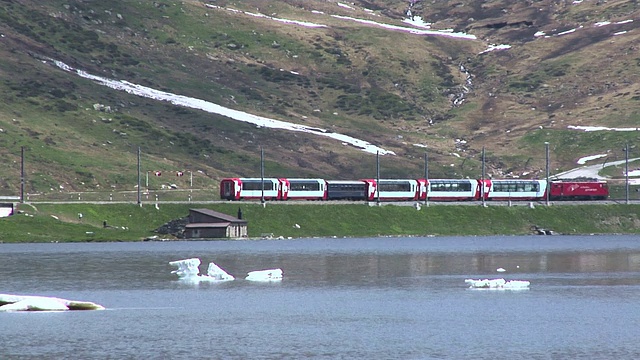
x=130 y=222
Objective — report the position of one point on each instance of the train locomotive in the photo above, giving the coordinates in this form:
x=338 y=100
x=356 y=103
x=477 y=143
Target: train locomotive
x=283 y=189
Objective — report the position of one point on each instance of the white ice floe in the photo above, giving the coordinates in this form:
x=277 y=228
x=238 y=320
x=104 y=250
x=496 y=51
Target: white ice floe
x=498 y=284
x=207 y=106
x=189 y=270
x=265 y=275
x=43 y=303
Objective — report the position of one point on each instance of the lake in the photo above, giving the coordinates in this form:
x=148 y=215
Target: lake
x=376 y=298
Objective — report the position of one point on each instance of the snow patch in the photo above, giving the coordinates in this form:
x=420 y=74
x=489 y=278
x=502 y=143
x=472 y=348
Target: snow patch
x=583 y=160
x=210 y=107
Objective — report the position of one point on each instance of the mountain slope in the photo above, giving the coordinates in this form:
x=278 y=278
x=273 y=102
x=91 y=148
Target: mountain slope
x=352 y=69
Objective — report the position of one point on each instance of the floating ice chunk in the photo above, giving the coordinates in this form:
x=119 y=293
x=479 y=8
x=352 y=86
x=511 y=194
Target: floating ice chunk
x=217 y=273
x=500 y=270
x=498 y=284
x=43 y=303
x=189 y=270
x=265 y=275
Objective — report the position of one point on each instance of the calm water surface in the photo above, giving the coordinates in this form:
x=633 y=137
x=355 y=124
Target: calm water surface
x=380 y=298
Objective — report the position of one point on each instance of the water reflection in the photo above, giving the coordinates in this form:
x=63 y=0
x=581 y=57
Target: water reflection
x=340 y=298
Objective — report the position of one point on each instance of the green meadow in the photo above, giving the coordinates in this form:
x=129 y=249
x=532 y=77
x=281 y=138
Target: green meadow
x=130 y=222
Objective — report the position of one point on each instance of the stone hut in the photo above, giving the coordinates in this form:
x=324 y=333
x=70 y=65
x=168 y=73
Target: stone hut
x=205 y=223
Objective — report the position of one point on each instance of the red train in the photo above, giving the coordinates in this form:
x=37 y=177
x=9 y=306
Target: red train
x=410 y=189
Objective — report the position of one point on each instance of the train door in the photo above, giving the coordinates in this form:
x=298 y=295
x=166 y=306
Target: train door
x=422 y=189
x=371 y=189
x=228 y=189
x=283 y=189
x=483 y=189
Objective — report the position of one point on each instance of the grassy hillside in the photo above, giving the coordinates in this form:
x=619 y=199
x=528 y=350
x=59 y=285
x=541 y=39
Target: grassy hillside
x=51 y=223
x=390 y=87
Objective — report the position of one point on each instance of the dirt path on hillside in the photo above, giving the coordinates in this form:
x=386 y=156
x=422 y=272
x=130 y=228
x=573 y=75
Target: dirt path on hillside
x=589 y=171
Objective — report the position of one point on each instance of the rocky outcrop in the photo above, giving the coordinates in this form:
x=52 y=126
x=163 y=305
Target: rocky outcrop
x=174 y=227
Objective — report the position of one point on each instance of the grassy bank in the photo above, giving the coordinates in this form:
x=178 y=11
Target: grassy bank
x=129 y=222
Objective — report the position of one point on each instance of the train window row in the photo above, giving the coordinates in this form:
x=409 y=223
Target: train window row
x=255 y=185
x=305 y=186
x=513 y=186
x=450 y=186
x=395 y=187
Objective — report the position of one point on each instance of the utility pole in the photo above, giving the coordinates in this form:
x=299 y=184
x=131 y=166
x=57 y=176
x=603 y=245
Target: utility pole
x=262 y=175
x=546 y=198
x=21 y=174
x=426 y=177
x=377 y=177
x=626 y=173
x=139 y=196
x=482 y=179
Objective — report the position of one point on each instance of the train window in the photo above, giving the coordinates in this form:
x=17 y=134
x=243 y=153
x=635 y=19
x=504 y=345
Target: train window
x=346 y=187
x=515 y=186
x=394 y=186
x=255 y=185
x=304 y=186
x=451 y=186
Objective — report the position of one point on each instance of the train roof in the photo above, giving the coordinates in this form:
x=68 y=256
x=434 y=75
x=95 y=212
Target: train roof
x=252 y=179
x=302 y=179
x=345 y=181
x=580 y=180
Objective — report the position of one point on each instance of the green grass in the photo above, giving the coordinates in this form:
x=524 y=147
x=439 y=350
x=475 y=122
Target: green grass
x=129 y=222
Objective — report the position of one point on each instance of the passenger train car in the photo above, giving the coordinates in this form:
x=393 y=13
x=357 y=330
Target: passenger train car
x=248 y=188
x=411 y=189
x=302 y=189
x=513 y=189
x=396 y=189
x=453 y=189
